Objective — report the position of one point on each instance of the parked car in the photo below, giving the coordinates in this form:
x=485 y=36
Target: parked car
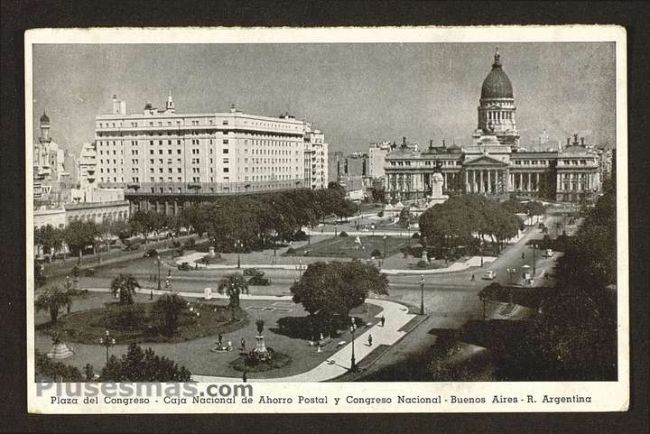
x=151 y=253
x=184 y=266
x=489 y=275
x=259 y=281
x=132 y=247
x=253 y=272
x=88 y=272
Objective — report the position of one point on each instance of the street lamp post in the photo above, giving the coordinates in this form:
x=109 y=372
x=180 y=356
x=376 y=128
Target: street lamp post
x=238 y=247
x=534 y=247
x=158 y=261
x=353 y=364
x=107 y=342
x=385 y=238
x=422 y=295
x=335 y=225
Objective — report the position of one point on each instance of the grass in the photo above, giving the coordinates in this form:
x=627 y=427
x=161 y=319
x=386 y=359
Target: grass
x=347 y=247
x=136 y=323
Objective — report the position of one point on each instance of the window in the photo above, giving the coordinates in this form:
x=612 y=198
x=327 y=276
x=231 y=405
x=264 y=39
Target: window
x=225 y=150
x=226 y=170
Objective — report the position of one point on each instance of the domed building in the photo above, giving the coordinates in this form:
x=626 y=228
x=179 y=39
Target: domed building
x=496 y=111
x=494 y=163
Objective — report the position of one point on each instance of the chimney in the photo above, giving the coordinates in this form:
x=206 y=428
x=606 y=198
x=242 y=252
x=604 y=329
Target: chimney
x=431 y=143
x=444 y=145
x=568 y=141
x=582 y=141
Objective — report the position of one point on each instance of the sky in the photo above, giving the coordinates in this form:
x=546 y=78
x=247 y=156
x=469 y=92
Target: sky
x=355 y=93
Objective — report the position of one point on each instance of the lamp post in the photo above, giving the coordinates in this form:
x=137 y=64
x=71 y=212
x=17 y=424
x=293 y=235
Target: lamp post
x=238 y=247
x=335 y=225
x=107 y=342
x=422 y=294
x=534 y=247
x=481 y=248
x=385 y=238
x=158 y=261
x=353 y=364
x=408 y=227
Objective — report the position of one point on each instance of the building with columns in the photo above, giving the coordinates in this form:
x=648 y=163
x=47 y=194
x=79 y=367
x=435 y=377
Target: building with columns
x=495 y=163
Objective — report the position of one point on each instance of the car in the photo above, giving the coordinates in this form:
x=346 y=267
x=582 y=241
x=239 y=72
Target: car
x=184 y=266
x=151 y=253
x=88 y=272
x=489 y=275
x=259 y=281
x=253 y=272
x=131 y=247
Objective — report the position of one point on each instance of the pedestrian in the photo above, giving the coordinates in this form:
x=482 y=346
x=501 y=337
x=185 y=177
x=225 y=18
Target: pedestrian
x=243 y=377
x=196 y=265
x=370 y=340
x=473 y=278
x=243 y=344
x=220 y=339
x=151 y=295
x=523 y=255
x=383 y=320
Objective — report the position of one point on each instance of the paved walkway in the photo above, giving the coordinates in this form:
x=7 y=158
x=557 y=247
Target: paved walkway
x=396 y=315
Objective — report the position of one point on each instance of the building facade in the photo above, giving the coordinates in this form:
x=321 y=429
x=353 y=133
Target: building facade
x=495 y=163
x=163 y=152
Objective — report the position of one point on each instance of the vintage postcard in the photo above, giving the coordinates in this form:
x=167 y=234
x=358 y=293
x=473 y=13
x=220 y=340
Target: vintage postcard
x=317 y=220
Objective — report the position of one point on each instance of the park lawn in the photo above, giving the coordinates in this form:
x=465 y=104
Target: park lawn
x=347 y=247
x=136 y=323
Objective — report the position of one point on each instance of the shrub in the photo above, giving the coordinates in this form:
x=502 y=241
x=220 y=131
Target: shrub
x=343 y=234
x=300 y=235
x=291 y=251
x=376 y=254
x=422 y=264
x=380 y=214
x=416 y=236
x=189 y=243
x=53 y=370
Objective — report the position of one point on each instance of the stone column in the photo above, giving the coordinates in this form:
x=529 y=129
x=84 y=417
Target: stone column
x=558 y=181
x=489 y=174
x=481 y=186
x=530 y=187
x=467 y=189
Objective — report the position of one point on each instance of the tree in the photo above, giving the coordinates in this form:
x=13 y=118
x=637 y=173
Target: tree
x=405 y=217
x=124 y=285
x=168 y=308
x=80 y=234
x=48 y=369
x=145 y=222
x=53 y=300
x=143 y=366
x=336 y=287
x=233 y=286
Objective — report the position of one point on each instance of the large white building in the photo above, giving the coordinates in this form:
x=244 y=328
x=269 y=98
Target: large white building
x=495 y=163
x=162 y=152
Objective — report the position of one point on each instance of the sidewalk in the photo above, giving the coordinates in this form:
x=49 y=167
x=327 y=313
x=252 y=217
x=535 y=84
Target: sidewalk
x=396 y=315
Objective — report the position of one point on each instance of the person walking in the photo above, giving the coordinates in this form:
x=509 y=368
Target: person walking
x=383 y=320
x=243 y=344
x=473 y=278
x=370 y=340
x=244 y=377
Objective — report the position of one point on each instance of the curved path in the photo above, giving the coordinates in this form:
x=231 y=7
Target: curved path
x=396 y=315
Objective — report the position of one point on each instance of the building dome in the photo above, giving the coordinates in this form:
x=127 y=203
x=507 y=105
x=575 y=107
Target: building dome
x=496 y=84
x=45 y=119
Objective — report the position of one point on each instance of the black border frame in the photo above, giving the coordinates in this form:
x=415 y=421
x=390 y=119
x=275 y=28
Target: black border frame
x=18 y=16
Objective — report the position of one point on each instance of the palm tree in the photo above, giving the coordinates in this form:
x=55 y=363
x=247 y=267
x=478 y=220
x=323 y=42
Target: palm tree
x=124 y=285
x=233 y=285
x=53 y=300
x=169 y=307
